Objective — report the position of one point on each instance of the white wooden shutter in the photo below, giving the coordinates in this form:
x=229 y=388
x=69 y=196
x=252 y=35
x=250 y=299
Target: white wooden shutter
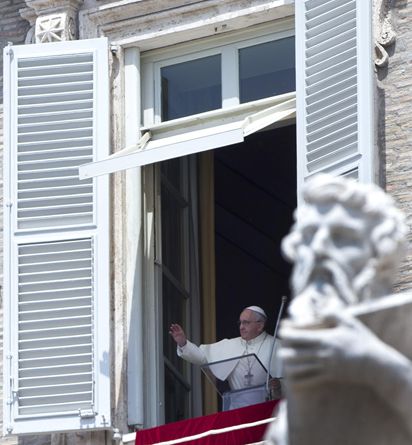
x=56 y=287
x=334 y=88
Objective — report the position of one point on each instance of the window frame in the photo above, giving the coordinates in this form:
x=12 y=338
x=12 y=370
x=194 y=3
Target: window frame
x=227 y=46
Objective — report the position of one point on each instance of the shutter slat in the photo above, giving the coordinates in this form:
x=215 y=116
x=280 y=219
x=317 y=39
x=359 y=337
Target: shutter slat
x=58 y=116
x=62 y=143
x=45 y=313
x=58 y=409
x=50 y=341
x=33 y=127
x=54 y=390
x=330 y=14
x=331 y=144
x=54 y=209
x=39 y=256
x=331 y=100
x=40 y=173
x=338 y=115
x=331 y=129
x=330 y=72
x=58 y=182
x=55 y=369
x=333 y=110
x=45 y=99
x=52 y=352
x=53 y=303
x=315 y=96
x=58 y=284
x=56 y=221
x=37 y=88
x=44 y=400
x=55 y=164
x=69 y=134
x=54 y=200
x=55 y=191
x=323 y=158
x=327 y=54
x=57 y=152
x=62 y=330
x=324 y=38
x=34 y=381
x=54 y=263
x=330 y=63
x=336 y=79
x=56 y=79
x=52 y=107
x=320 y=46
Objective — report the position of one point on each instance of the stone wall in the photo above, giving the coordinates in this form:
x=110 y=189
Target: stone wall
x=12 y=29
x=395 y=126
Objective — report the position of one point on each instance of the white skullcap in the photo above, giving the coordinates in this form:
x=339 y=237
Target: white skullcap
x=257 y=309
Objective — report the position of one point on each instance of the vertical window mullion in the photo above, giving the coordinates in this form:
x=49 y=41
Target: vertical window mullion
x=150 y=85
x=230 y=76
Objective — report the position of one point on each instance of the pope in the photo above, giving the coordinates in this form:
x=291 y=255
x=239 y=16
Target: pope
x=253 y=339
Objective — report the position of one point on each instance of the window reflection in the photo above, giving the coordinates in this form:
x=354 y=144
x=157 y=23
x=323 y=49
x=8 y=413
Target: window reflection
x=191 y=87
x=267 y=69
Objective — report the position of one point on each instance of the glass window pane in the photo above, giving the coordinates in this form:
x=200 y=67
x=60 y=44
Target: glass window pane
x=172 y=170
x=176 y=398
x=174 y=311
x=191 y=87
x=267 y=69
x=174 y=229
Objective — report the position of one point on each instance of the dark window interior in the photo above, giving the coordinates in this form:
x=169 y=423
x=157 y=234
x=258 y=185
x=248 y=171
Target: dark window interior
x=255 y=196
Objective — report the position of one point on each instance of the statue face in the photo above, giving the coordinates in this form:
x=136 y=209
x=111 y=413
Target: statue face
x=335 y=249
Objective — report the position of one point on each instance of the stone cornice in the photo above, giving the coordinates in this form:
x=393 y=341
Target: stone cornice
x=154 y=23
x=44 y=7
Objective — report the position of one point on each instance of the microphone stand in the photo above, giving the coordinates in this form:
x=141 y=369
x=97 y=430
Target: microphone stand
x=284 y=299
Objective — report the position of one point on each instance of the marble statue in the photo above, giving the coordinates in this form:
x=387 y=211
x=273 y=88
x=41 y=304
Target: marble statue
x=347 y=341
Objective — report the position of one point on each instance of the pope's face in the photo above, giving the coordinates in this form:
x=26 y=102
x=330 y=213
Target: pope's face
x=335 y=248
x=249 y=326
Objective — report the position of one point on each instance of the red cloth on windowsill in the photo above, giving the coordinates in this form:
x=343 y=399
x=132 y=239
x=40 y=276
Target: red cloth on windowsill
x=224 y=419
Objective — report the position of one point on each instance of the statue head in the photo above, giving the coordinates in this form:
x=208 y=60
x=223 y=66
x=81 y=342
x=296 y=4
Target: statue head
x=346 y=245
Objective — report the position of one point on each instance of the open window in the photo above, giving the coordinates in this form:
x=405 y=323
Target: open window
x=238 y=155
x=207 y=116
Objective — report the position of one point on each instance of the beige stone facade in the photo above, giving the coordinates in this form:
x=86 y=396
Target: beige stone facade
x=395 y=128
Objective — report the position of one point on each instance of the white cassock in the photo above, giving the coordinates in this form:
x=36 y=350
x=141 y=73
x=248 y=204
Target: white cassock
x=239 y=373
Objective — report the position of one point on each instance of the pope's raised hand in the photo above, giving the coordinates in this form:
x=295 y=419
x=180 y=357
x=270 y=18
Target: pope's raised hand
x=178 y=334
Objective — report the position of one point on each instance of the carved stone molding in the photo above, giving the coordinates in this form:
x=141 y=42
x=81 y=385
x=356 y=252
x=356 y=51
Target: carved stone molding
x=56 y=19
x=384 y=32
x=30 y=15
x=55 y=28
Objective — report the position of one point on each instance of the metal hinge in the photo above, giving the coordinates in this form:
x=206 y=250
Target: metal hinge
x=9 y=51
x=87 y=413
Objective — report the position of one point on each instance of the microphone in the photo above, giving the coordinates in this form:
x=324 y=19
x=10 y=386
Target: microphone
x=282 y=305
